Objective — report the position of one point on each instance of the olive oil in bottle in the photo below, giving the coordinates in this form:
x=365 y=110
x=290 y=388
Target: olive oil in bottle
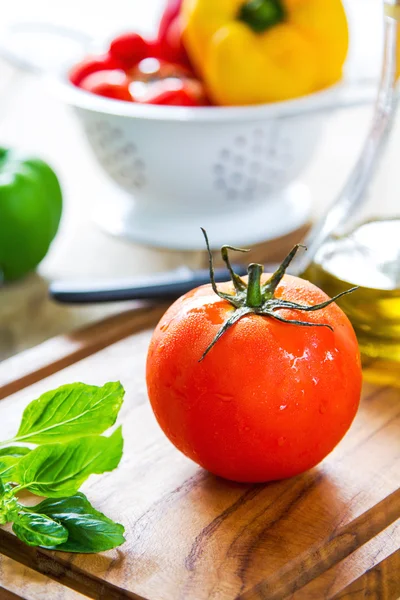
x=369 y=257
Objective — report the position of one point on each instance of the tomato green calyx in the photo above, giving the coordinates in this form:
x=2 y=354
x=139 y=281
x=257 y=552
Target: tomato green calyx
x=256 y=298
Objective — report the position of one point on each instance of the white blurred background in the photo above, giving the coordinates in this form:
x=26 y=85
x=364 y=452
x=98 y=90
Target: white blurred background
x=102 y=19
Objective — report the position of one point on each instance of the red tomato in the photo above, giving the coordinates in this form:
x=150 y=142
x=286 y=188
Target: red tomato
x=172 y=92
x=270 y=399
x=111 y=84
x=157 y=81
x=174 y=97
x=91 y=65
x=130 y=48
x=155 y=69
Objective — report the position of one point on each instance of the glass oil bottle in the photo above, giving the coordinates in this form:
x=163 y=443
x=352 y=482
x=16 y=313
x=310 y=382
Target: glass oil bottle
x=365 y=251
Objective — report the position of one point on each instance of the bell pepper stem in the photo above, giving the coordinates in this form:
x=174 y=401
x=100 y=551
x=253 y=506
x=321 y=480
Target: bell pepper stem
x=260 y=15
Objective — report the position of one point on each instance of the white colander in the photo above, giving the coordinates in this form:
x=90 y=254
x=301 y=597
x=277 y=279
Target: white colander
x=234 y=171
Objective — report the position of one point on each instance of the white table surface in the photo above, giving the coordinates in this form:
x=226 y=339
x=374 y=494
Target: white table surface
x=34 y=120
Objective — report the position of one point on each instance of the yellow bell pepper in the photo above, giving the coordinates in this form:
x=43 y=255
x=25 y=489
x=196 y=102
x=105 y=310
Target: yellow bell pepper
x=256 y=51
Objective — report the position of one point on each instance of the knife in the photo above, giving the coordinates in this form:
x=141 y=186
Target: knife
x=160 y=286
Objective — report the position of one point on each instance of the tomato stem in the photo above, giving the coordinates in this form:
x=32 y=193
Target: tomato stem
x=254 y=296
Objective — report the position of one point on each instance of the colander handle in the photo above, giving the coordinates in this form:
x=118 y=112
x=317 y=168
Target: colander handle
x=9 y=48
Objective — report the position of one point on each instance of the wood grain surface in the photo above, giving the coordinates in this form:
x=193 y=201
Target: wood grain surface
x=339 y=576
x=36 y=363
x=317 y=559
x=379 y=583
x=23 y=582
x=191 y=535
x=7 y=595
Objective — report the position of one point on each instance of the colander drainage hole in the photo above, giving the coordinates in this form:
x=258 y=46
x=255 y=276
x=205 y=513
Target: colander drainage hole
x=219 y=169
x=225 y=154
x=240 y=141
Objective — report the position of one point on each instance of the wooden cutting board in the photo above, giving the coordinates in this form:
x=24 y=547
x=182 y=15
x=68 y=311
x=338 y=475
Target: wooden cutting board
x=333 y=532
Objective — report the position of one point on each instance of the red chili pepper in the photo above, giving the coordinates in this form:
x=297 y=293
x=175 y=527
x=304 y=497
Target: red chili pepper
x=169 y=35
x=130 y=48
x=90 y=65
x=110 y=84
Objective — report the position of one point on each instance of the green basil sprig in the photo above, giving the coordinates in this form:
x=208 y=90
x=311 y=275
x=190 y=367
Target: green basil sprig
x=66 y=425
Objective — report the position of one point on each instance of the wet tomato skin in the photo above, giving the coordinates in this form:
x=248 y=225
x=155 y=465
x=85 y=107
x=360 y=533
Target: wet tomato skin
x=270 y=400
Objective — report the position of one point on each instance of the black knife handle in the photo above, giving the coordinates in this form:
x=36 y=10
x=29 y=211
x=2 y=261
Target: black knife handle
x=160 y=286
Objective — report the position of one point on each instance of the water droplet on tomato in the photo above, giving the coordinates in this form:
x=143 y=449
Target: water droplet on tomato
x=213 y=313
x=283 y=406
x=216 y=316
x=164 y=327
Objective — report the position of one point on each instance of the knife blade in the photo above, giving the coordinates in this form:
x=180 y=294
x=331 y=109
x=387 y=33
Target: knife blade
x=158 y=286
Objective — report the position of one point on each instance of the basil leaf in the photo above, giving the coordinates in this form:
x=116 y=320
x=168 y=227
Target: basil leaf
x=55 y=470
x=39 y=530
x=9 y=457
x=88 y=529
x=71 y=411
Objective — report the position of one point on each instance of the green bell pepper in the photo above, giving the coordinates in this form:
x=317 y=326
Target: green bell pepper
x=30 y=212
